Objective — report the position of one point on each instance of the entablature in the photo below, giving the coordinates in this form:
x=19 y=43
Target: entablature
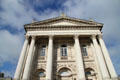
x=63 y=32
x=61 y=27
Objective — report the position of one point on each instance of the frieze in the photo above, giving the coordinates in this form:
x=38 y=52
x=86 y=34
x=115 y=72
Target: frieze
x=44 y=28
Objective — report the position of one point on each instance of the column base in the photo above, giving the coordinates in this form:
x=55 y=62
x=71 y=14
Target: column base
x=81 y=79
x=19 y=79
x=110 y=78
x=115 y=78
x=106 y=79
x=16 y=79
x=48 y=79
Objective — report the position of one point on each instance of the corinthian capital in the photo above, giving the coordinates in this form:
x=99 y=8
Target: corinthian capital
x=76 y=36
x=33 y=37
x=27 y=37
x=93 y=36
x=51 y=36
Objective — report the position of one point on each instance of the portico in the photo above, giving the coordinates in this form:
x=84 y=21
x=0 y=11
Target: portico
x=73 y=46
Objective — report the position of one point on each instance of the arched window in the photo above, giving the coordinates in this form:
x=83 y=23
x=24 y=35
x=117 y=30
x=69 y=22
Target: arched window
x=41 y=73
x=63 y=50
x=64 y=72
x=43 y=50
x=89 y=72
x=84 y=50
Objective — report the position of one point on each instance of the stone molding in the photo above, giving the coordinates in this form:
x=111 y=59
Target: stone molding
x=62 y=27
x=63 y=33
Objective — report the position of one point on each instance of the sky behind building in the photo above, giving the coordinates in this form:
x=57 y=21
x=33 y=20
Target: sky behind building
x=15 y=13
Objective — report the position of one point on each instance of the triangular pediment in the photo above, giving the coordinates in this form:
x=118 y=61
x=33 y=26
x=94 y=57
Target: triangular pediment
x=66 y=21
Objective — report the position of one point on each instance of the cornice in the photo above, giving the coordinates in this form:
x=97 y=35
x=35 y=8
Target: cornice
x=53 y=26
x=62 y=27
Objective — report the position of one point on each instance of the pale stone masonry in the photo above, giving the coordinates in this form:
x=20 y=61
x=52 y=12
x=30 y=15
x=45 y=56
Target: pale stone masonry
x=79 y=59
x=49 y=59
x=64 y=48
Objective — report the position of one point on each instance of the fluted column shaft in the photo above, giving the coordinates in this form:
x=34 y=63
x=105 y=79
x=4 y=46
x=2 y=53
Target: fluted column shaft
x=101 y=61
x=29 y=60
x=49 y=59
x=107 y=57
x=21 y=60
x=79 y=60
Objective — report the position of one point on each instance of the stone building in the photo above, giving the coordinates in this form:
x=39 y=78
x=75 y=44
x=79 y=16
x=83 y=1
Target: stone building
x=64 y=48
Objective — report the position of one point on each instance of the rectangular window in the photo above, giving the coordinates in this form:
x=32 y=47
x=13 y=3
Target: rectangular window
x=63 y=51
x=43 y=51
x=84 y=50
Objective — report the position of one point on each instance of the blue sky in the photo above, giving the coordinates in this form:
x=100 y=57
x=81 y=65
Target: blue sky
x=15 y=13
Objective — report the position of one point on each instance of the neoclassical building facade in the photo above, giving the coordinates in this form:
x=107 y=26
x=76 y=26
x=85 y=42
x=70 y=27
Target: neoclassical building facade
x=64 y=48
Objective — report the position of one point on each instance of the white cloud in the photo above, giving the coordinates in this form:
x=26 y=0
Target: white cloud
x=10 y=46
x=16 y=14
x=41 y=3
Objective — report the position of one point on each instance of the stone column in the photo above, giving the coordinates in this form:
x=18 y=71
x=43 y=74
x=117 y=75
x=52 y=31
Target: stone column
x=79 y=59
x=107 y=57
x=49 y=59
x=29 y=60
x=21 y=60
x=101 y=61
x=97 y=63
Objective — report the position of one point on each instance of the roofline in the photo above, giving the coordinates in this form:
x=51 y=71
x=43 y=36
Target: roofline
x=63 y=17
